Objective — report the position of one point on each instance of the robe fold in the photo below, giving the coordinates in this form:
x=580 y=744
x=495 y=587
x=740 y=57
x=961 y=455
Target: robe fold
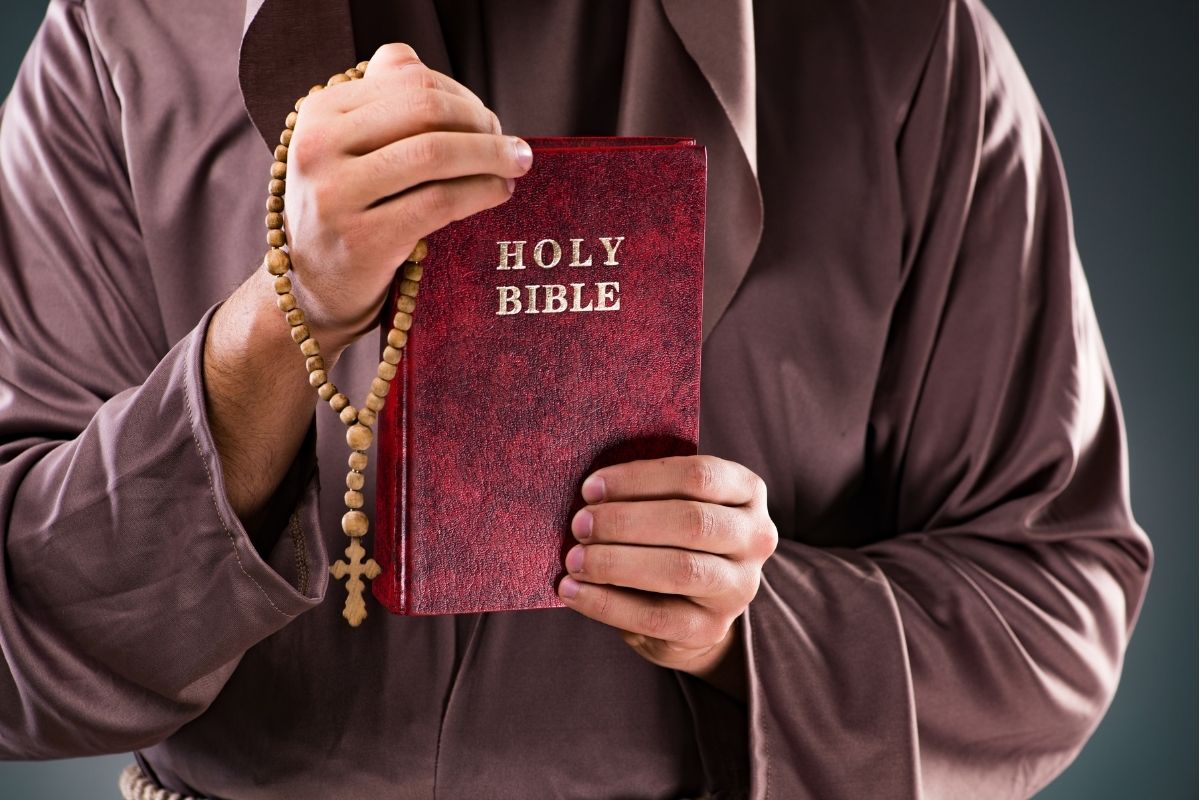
x=898 y=338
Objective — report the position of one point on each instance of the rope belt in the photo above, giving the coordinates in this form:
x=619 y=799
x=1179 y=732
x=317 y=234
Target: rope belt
x=137 y=785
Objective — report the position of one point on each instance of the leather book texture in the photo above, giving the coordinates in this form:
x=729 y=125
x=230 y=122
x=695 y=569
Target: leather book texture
x=554 y=334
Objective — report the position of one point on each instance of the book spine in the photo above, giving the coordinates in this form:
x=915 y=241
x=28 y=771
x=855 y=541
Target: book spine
x=403 y=551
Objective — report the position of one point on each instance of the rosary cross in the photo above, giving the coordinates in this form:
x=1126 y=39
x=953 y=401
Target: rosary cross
x=356 y=608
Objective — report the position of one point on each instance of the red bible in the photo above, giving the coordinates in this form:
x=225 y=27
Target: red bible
x=554 y=334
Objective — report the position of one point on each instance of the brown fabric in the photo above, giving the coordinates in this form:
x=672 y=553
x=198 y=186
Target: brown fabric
x=898 y=339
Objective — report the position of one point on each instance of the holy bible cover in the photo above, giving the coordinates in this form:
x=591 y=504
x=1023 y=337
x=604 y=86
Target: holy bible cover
x=554 y=334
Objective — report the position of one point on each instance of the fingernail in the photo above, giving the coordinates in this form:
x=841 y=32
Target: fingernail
x=575 y=559
x=593 y=489
x=568 y=588
x=511 y=183
x=581 y=525
x=524 y=153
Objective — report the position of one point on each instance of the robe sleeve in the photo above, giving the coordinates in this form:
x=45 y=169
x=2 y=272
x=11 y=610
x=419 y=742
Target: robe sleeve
x=971 y=649
x=129 y=589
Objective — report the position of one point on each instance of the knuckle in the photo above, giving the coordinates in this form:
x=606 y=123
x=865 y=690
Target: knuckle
x=435 y=204
x=503 y=151
x=699 y=521
x=423 y=105
x=614 y=521
x=419 y=78
x=701 y=475
x=687 y=570
x=655 y=620
x=606 y=561
x=424 y=150
x=766 y=538
x=307 y=149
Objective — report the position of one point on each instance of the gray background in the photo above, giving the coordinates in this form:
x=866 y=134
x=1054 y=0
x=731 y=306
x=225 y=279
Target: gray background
x=1118 y=82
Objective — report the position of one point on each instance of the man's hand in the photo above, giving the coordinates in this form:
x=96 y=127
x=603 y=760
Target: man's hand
x=671 y=554
x=373 y=166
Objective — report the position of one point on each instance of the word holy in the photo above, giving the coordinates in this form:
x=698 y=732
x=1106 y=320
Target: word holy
x=553 y=297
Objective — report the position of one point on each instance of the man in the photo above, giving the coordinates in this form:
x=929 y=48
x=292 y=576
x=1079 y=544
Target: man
x=898 y=344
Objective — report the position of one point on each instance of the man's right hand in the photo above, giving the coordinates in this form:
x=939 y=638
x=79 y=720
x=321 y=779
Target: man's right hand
x=373 y=166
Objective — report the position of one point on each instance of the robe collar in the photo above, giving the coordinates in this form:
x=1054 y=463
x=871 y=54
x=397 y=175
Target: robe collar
x=691 y=65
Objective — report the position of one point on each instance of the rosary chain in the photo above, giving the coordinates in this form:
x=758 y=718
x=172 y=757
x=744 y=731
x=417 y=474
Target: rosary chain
x=359 y=421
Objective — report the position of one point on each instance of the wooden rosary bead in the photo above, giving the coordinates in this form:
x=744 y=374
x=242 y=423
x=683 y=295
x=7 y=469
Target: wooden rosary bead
x=281 y=152
x=353 y=499
x=380 y=388
x=397 y=338
x=419 y=252
x=276 y=238
x=338 y=402
x=348 y=415
x=362 y=66
x=295 y=316
x=326 y=391
x=341 y=77
x=279 y=170
x=413 y=272
x=286 y=302
x=285 y=138
x=386 y=371
x=359 y=437
x=277 y=261
x=314 y=363
x=274 y=220
x=357 y=461
x=392 y=355
x=355 y=480
x=366 y=416
x=316 y=87
x=402 y=321
x=276 y=187
x=406 y=304
x=354 y=73
x=354 y=523
x=299 y=333
x=374 y=403
x=274 y=203
x=409 y=287
x=283 y=284
x=317 y=378
x=310 y=347
x=290 y=123
x=299 y=102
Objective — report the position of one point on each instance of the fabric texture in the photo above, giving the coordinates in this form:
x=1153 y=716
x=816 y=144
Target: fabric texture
x=898 y=339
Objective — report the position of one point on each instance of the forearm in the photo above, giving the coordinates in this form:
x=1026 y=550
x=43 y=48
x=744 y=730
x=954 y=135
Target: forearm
x=257 y=395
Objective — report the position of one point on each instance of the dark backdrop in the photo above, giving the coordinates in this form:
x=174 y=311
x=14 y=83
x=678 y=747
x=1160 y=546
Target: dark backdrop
x=1118 y=82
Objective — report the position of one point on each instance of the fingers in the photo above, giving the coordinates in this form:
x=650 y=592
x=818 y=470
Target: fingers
x=393 y=224
x=413 y=160
x=691 y=524
x=673 y=619
x=700 y=477
x=399 y=114
x=703 y=577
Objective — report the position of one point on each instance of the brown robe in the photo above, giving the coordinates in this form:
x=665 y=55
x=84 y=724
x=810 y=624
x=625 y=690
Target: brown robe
x=898 y=339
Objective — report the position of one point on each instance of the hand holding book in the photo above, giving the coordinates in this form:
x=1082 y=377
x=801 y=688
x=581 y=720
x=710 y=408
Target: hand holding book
x=671 y=553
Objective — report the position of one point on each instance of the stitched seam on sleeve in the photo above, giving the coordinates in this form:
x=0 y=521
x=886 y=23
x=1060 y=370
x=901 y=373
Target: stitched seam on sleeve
x=212 y=491
x=301 y=553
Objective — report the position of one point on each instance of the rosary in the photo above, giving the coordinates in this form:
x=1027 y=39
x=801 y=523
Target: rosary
x=359 y=421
